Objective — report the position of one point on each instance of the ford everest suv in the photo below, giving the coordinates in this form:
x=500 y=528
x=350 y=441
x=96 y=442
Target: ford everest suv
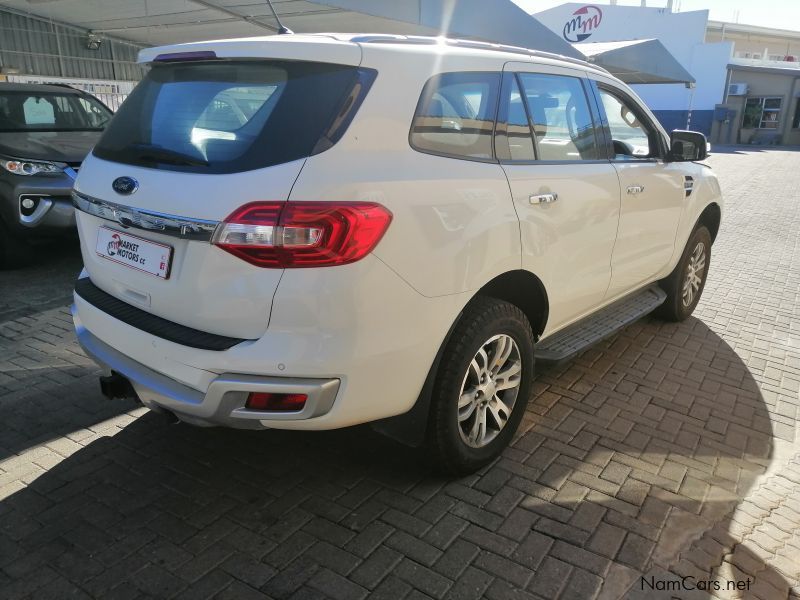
x=316 y=231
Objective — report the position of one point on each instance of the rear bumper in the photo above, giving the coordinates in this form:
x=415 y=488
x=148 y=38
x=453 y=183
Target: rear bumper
x=359 y=325
x=223 y=403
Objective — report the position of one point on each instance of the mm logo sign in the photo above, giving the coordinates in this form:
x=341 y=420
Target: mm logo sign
x=582 y=23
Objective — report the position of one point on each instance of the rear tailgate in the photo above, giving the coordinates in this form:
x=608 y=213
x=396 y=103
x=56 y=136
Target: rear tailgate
x=194 y=142
x=205 y=288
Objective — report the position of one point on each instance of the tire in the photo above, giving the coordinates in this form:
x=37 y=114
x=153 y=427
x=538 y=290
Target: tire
x=487 y=328
x=682 y=300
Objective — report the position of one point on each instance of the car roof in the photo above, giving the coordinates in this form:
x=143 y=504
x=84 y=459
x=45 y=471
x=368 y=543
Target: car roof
x=7 y=86
x=332 y=47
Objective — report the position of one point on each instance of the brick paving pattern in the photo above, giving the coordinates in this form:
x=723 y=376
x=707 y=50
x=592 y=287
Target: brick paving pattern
x=667 y=452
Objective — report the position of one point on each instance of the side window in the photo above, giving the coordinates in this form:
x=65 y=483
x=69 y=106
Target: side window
x=632 y=139
x=97 y=118
x=559 y=112
x=455 y=115
x=514 y=140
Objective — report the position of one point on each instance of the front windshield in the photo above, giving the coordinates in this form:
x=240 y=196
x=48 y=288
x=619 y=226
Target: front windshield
x=51 y=111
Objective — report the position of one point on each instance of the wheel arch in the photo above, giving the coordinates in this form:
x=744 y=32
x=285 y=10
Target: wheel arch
x=526 y=291
x=519 y=287
x=711 y=217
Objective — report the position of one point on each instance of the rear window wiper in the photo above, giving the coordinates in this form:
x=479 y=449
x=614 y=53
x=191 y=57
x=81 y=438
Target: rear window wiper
x=152 y=153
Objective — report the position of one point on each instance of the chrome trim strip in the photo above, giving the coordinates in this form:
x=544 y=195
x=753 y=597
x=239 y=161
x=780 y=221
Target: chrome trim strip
x=129 y=217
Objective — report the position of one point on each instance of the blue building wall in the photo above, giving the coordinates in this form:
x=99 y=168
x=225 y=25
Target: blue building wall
x=676 y=119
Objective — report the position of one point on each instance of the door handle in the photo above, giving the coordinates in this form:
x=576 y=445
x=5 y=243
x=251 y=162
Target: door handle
x=635 y=189
x=543 y=198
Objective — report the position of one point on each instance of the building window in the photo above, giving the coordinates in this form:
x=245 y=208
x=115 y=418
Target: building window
x=761 y=113
x=796 y=119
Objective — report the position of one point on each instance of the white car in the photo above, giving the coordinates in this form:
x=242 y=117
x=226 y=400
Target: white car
x=316 y=231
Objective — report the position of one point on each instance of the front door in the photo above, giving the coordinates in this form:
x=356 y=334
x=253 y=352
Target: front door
x=565 y=190
x=652 y=194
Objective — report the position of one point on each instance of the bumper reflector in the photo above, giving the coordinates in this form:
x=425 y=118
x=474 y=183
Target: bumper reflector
x=276 y=402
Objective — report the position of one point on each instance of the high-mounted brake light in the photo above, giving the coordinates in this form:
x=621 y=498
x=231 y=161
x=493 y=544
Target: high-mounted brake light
x=186 y=56
x=283 y=235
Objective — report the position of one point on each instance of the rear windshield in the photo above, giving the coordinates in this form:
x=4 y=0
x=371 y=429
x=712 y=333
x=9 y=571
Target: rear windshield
x=229 y=116
x=51 y=111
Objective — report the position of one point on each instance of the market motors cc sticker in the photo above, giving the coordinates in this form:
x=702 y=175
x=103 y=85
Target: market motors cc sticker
x=114 y=245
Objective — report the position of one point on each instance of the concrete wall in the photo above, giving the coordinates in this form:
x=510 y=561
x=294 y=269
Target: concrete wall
x=761 y=83
x=683 y=34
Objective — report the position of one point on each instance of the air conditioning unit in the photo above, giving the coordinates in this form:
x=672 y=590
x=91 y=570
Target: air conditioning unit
x=737 y=89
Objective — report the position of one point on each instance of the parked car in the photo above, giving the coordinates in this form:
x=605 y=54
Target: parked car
x=45 y=133
x=312 y=232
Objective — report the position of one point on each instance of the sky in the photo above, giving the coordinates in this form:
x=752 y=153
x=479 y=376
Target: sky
x=783 y=14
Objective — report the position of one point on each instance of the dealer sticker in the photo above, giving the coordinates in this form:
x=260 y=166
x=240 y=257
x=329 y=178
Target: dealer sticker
x=135 y=252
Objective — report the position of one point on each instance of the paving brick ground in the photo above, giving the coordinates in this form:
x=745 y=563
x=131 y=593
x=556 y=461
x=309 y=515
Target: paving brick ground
x=668 y=452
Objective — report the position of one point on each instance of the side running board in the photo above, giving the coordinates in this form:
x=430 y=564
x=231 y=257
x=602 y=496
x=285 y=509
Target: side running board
x=576 y=338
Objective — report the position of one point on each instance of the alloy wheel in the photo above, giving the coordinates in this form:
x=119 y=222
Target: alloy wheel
x=694 y=274
x=489 y=391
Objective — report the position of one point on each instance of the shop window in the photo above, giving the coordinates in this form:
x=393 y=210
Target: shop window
x=761 y=113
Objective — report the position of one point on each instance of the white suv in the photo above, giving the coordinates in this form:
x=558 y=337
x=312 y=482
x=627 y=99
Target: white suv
x=315 y=231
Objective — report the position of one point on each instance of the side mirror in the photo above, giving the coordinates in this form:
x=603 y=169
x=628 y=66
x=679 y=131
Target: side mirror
x=687 y=146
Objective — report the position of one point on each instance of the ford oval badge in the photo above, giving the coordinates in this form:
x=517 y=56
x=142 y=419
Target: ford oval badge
x=125 y=185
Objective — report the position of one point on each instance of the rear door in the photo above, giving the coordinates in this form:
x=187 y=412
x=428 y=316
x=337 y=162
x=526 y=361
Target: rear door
x=565 y=191
x=193 y=143
x=652 y=191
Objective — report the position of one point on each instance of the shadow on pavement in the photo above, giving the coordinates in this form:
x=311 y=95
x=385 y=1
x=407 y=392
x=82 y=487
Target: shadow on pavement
x=49 y=403
x=45 y=281
x=675 y=434
x=630 y=458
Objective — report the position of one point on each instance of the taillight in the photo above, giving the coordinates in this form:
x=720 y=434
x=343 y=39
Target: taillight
x=303 y=234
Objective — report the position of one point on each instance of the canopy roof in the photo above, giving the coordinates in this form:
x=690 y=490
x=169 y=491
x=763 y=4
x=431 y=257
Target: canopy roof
x=161 y=22
x=637 y=61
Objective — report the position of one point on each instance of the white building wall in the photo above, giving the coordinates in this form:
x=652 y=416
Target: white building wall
x=683 y=34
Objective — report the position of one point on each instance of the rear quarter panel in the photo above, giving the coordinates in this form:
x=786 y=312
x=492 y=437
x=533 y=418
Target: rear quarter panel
x=454 y=225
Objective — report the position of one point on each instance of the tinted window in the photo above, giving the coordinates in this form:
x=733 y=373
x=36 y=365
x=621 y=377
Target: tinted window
x=562 y=123
x=227 y=117
x=632 y=139
x=514 y=136
x=49 y=111
x=455 y=115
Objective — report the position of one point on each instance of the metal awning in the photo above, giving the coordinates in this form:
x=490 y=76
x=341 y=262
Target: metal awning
x=160 y=22
x=637 y=61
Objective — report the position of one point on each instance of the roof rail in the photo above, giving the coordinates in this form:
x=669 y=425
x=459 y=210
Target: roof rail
x=462 y=43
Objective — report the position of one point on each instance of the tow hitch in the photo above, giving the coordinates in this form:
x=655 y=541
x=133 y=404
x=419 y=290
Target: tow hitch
x=117 y=387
